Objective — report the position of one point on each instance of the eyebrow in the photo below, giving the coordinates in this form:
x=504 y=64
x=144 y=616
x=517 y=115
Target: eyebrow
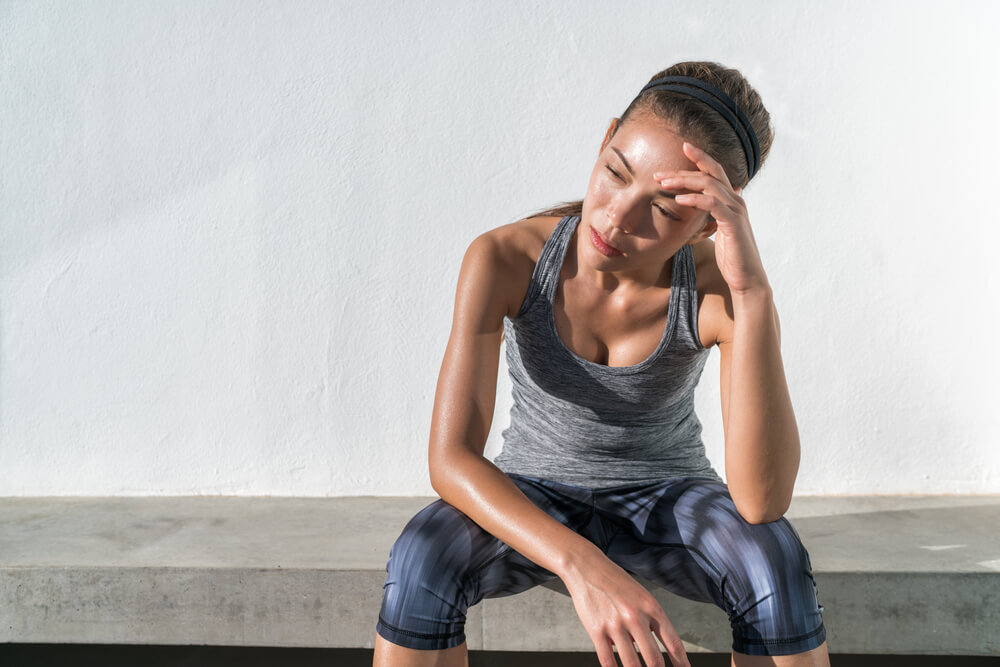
x=664 y=193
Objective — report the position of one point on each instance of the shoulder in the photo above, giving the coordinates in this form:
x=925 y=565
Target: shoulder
x=715 y=305
x=508 y=254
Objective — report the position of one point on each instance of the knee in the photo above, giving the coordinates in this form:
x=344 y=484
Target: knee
x=774 y=561
x=432 y=543
x=763 y=573
x=773 y=592
x=423 y=603
x=754 y=560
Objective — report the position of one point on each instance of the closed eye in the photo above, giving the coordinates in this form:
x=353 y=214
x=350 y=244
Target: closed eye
x=665 y=212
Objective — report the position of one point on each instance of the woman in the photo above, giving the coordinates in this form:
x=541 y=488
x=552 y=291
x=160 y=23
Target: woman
x=610 y=307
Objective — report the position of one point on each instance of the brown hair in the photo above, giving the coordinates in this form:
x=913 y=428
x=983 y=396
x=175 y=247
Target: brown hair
x=699 y=122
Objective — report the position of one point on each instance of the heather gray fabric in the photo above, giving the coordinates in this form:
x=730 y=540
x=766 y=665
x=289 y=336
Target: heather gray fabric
x=586 y=424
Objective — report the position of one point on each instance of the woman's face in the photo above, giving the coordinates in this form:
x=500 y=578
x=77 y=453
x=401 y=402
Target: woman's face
x=627 y=208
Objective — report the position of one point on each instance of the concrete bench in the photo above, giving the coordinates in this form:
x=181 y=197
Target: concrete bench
x=897 y=574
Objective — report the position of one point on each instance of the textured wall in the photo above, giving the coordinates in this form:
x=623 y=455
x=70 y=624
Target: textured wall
x=231 y=230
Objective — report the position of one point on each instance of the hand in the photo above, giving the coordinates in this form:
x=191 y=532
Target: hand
x=616 y=610
x=735 y=248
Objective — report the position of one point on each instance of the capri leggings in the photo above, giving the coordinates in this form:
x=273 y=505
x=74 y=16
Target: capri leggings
x=683 y=534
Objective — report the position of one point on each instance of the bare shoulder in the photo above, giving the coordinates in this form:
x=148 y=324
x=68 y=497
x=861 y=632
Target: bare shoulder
x=715 y=305
x=513 y=251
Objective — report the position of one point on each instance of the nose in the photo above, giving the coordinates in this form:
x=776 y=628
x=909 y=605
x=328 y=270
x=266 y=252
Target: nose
x=621 y=214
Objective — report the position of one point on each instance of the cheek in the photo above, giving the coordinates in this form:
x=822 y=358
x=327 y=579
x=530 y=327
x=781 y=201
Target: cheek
x=598 y=190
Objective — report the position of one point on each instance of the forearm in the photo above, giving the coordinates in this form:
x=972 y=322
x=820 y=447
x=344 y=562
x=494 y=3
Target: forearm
x=474 y=485
x=762 y=440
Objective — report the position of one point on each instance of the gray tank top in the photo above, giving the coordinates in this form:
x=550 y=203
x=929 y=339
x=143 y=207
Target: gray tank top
x=587 y=424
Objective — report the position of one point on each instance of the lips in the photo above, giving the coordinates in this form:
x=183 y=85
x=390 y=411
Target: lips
x=603 y=246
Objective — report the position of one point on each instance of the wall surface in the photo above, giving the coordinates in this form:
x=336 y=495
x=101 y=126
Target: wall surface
x=230 y=232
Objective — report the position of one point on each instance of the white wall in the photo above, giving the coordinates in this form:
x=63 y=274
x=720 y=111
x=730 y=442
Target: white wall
x=231 y=231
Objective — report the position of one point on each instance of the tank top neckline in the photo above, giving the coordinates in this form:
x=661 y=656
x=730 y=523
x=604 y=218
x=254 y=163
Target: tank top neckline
x=562 y=234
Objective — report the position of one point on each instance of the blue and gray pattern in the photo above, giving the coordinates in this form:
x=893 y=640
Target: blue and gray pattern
x=683 y=534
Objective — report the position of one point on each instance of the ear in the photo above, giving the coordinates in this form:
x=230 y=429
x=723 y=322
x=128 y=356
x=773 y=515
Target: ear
x=707 y=230
x=612 y=128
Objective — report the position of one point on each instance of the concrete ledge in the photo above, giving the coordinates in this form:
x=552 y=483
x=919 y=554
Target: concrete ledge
x=907 y=575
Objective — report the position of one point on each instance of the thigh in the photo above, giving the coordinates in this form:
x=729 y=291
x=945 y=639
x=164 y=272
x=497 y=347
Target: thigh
x=652 y=542
x=443 y=563
x=507 y=571
x=695 y=543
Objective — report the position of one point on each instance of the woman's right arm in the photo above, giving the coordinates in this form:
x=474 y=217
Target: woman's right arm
x=614 y=608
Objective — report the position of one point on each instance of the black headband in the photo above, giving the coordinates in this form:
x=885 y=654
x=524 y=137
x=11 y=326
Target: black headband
x=731 y=112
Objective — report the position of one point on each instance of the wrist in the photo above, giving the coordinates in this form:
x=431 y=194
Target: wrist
x=577 y=562
x=753 y=297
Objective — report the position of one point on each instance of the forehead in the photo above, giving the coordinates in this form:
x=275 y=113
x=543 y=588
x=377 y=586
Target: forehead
x=650 y=144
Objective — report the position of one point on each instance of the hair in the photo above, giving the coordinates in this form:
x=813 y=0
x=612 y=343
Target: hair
x=699 y=122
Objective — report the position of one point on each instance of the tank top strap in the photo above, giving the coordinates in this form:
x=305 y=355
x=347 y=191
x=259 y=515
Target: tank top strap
x=687 y=325
x=545 y=279
x=545 y=276
x=557 y=245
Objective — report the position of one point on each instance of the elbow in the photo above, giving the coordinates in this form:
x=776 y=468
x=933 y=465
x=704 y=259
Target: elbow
x=756 y=519
x=444 y=464
x=758 y=514
x=438 y=469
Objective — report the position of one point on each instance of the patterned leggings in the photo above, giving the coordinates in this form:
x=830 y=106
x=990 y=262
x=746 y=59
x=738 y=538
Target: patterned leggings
x=683 y=534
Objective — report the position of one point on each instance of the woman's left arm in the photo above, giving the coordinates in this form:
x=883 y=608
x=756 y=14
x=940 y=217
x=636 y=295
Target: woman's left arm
x=762 y=438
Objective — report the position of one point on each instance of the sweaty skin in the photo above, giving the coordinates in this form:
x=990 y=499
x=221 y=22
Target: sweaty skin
x=610 y=310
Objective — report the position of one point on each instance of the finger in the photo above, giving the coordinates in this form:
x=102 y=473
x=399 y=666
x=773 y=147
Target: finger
x=605 y=654
x=705 y=202
x=706 y=162
x=671 y=641
x=626 y=651
x=697 y=181
x=647 y=647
